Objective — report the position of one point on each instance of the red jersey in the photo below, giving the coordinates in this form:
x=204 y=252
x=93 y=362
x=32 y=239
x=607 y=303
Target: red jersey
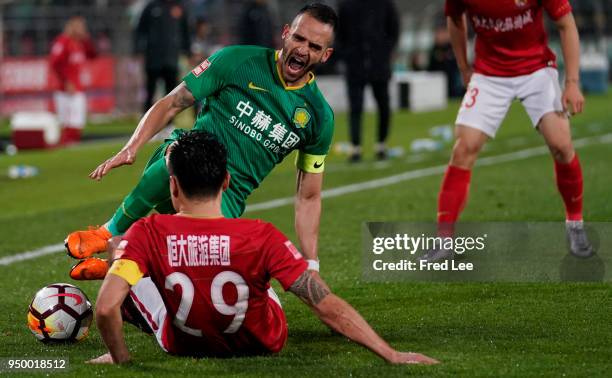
x=213 y=276
x=510 y=35
x=68 y=56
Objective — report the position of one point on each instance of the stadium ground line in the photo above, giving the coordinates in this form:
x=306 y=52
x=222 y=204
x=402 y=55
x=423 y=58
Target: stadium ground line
x=8 y=260
x=358 y=187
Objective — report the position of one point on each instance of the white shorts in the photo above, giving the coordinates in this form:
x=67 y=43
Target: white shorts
x=151 y=306
x=488 y=98
x=71 y=109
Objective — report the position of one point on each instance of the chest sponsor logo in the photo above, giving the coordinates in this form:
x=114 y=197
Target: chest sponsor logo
x=260 y=126
x=198 y=250
x=503 y=25
x=201 y=68
x=301 y=117
x=76 y=57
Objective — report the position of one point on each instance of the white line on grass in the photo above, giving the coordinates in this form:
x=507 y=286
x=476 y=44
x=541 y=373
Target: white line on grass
x=358 y=187
x=8 y=260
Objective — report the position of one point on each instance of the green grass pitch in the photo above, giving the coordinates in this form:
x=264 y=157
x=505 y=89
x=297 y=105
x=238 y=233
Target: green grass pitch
x=474 y=329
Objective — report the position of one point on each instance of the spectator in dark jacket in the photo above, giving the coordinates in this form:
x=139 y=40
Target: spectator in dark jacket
x=367 y=35
x=256 y=26
x=161 y=35
x=442 y=58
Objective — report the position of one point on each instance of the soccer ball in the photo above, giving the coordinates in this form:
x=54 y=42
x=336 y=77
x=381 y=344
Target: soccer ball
x=60 y=312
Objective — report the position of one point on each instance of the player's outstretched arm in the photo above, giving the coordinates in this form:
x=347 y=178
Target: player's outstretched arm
x=343 y=318
x=457 y=29
x=308 y=211
x=160 y=114
x=572 y=99
x=108 y=318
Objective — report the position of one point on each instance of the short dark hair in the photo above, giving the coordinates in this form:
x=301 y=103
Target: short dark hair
x=199 y=163
x=321 y=12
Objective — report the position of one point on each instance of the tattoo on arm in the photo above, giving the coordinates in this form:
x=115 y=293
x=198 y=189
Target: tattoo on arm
x=307 y=288
x=182 y=97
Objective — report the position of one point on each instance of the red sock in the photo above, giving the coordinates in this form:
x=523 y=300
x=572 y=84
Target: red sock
x=569 y=182
x=452 y=198
x=70 y=135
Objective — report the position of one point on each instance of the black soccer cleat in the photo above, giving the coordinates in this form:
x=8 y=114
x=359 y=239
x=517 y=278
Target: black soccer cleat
x=579 y=243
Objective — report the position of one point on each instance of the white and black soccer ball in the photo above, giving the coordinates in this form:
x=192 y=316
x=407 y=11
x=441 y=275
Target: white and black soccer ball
x=60 y=312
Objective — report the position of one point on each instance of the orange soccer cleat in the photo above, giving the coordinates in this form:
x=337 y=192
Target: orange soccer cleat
x=83 y=244
x=91 y=268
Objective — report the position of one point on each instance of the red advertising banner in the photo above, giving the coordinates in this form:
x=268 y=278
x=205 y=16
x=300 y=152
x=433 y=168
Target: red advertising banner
x=28 y=84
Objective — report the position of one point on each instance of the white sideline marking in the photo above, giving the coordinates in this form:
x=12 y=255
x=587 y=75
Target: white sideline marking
x=8 y=260
x=358 y=187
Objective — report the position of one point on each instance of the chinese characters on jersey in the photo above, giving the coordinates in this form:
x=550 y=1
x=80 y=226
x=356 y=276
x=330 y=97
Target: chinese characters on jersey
x=260 y=126
x=198 y=250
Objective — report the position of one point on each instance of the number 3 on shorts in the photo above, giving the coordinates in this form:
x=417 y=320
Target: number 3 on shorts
x=238 y=309
x=472 y=93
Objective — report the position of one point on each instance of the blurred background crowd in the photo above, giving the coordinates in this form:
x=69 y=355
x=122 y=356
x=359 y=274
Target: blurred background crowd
x=185 y=32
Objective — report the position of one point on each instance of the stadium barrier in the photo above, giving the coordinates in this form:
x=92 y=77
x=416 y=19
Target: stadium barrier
x=414 y=91
x=27 y=84
x=39 y=129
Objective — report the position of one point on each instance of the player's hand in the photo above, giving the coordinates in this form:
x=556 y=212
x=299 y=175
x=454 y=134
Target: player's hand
x=572 y=99
x=106 y=358
x=466 y=76
x=112 y=245
x=401 y=358
x=123 y=157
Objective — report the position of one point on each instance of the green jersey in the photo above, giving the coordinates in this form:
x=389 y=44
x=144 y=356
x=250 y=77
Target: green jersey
x=259 y=119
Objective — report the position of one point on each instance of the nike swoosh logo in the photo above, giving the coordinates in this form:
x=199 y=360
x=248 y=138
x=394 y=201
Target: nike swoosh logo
x=318 y=165
x=255 y=87
x=76 y=297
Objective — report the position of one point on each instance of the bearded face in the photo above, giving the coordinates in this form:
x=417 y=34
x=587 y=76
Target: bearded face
x=306 y=43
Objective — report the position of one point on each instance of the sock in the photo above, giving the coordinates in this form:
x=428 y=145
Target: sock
x=452 y=198
x=569 y=183
x=64 y=135
x=111 y=227
x=70 y=135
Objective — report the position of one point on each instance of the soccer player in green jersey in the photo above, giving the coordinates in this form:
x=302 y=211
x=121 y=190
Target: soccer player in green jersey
x=261 y=104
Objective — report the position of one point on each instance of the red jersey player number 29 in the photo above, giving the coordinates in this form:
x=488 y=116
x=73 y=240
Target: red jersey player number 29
x=238 y=309
x=203 y=272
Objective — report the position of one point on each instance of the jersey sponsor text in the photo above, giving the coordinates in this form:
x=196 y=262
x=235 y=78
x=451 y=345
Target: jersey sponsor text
x=198 y=250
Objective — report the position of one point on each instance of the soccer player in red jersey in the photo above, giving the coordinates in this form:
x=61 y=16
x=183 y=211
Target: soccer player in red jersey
x=69 y=52
x=513 y=60
x=200 y=282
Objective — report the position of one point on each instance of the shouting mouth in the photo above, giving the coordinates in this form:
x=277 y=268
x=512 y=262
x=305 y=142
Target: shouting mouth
x=296 y=65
